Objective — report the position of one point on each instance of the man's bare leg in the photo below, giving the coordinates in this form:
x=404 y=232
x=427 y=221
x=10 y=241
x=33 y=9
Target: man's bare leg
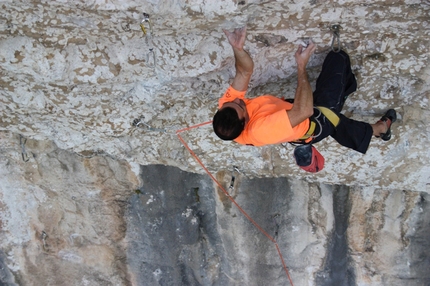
x=382 y=127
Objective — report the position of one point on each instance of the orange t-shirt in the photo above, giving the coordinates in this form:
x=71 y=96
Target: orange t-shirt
x=268 y=119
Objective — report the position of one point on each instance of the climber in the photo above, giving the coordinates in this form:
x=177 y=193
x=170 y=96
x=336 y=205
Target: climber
x=312 y=117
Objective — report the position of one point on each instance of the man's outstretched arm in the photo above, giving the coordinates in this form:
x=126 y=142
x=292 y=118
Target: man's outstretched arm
x=244 y=63
x=303 y=100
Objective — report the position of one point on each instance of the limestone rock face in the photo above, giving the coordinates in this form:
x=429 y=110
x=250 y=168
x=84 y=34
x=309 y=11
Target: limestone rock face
x=79 y=72
x=88 y=198
x=73 y=220
x=62 y=216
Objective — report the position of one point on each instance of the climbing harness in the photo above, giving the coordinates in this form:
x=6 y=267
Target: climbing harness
x=314 y=121
x=307 y=156
x=310 y=133
x=230 y=197
x=330 y=115
x=335 y=29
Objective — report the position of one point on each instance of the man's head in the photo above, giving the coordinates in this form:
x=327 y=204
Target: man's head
x=230 y=119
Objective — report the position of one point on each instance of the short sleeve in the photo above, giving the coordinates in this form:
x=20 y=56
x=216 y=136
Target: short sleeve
x=271 y=129
x=230 y=95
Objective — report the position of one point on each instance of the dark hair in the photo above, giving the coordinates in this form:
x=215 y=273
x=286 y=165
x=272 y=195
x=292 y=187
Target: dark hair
x=227 y=125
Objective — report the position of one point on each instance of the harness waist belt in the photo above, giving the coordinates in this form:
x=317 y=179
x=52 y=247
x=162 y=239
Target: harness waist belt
x=311 y=130
x=328 y=113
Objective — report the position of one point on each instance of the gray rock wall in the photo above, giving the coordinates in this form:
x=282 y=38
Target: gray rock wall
x=78 y=73
x=86 y=198
x=73 y=220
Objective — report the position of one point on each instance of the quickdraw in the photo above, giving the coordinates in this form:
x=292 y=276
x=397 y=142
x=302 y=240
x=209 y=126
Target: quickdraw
x=148 y=37
x=24 y=154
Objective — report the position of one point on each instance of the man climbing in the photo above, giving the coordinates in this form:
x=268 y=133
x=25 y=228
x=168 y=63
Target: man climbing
x=312 y=117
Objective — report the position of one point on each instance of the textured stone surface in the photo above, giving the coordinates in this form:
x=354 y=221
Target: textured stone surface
x=80 y=72
x=62 y=216
x=82 y=203
x=71 y=220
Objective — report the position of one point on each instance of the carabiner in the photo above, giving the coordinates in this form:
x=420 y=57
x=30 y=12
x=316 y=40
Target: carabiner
x=145 y=20
x=336 y=36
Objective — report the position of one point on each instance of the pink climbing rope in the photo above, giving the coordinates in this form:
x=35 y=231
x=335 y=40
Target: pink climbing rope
x=228 y=195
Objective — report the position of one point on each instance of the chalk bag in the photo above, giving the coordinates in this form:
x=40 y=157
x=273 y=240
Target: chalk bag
x=308 y=158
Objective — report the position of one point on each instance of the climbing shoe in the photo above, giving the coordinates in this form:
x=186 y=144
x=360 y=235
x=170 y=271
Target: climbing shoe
x=389 y=118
